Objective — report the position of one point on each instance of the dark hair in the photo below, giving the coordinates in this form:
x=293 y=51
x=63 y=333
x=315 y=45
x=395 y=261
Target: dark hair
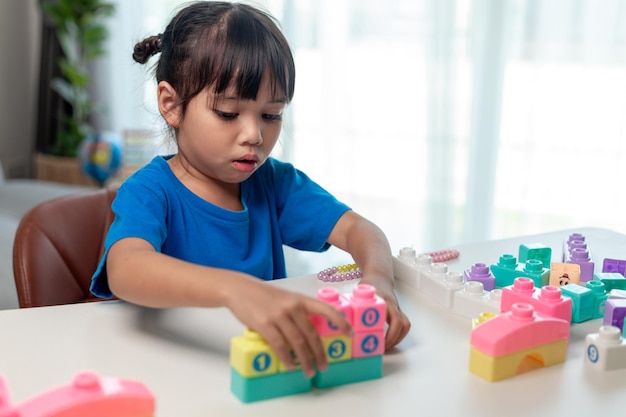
x=220 y=44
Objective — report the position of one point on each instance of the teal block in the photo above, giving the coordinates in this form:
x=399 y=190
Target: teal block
x=583 y=302
x=537 y=251
x=270 y=386
x=611 y=280
x=535 y=270
x=600 y=295
x=348 y=372
x=505 y=271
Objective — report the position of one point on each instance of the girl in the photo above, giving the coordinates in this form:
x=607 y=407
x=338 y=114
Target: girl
x=199 y=228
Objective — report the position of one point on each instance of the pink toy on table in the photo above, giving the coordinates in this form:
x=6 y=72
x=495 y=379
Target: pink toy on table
x=88 y=395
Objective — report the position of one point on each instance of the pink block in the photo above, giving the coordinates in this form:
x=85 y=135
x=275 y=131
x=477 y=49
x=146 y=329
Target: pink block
x=365 y=344
x=369 y=310
x=517 y=330
x=547 y=301
x=93 y=396
x=331 y=295
x=6 y=407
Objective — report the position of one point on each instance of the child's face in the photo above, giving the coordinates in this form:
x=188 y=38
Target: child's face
x=229 y=138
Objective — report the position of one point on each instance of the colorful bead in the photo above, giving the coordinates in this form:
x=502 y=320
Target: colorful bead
x=340 y=273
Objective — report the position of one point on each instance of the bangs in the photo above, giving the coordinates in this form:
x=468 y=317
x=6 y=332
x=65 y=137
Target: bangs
x=249 y=49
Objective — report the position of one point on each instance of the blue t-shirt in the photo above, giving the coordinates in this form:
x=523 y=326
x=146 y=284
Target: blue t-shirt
x=281 y=206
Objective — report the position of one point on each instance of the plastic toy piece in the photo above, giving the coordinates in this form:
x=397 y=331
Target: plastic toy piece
x=582 y=257
x=547 y=301
x=583 y=302
x=614 y=313
x=614 y=265
x=617 y=294
x=605 y=350
x=574 y=240
x=537 y=251
x=517 y=341
x=600 y=296
x=444 y=255
x=369 y=312
x=481 y=318
x=331 y=296
x=409 y=268
x=480 y=272
x=611 y=280
x=507 y=269
x=562 y=273
x=473 y=300
x=348 y=372
x=440 y=284
x=269 y=386
x=87 y=395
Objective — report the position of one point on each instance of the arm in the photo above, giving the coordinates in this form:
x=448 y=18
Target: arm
x=370 y=250
x=139 y=274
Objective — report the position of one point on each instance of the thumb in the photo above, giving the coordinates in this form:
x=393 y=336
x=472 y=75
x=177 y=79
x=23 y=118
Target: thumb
x=320 y=308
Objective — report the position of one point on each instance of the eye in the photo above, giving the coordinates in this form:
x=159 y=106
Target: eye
x=272 y=117
x=226 y=115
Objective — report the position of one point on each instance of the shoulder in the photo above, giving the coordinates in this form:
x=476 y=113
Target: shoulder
x=149 y=182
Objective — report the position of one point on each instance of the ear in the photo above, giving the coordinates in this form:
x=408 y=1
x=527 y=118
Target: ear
x=169 y=107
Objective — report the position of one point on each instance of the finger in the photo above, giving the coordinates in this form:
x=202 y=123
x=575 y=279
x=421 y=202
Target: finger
x=399 y=326
x=321 y=308
x=274 y=337
x=297 y=339
x=313 y=340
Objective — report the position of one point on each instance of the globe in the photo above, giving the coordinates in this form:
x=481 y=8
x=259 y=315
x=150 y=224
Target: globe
x=101 y=155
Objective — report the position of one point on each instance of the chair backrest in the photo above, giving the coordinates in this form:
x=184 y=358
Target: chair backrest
x=57 y=247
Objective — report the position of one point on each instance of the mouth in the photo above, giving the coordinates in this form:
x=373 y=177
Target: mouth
x=247 y=163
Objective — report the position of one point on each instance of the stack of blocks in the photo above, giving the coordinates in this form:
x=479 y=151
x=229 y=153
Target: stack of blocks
x=87 y=395
x=576 y=251
x=257 y=374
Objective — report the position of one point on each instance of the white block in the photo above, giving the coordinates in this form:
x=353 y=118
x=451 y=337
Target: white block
x=605 y=350
x=440 y=285
x=473 y=300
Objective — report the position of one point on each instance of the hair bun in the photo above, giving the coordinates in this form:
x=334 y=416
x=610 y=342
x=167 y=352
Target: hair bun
x=147 y=48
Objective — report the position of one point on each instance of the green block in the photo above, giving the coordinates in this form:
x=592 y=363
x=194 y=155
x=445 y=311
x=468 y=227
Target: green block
x=535 y=251
x=507 y=269
x=611 y=280
x=348 y=372
x=583 y=302
x=270 y=386
x=600 y=295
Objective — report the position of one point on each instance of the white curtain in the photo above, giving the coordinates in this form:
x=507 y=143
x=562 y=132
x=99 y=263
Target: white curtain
x=444 y=121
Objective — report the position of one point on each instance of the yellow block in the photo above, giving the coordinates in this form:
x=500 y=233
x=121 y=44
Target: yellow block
x=251 y=356
x=337 y=347
x=494 y=369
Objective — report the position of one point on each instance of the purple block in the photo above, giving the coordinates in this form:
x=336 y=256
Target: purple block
x=614 y=312
x=614 y=265
x=482 y=273
x=581 y=257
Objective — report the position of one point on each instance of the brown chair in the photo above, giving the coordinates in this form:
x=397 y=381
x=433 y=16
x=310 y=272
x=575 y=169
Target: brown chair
x=57 y=247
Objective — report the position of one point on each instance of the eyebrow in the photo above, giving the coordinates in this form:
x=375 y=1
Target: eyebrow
x=281 y=100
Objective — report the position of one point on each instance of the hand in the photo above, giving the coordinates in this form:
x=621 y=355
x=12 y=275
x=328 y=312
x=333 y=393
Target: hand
x=282 y=318
x=399 y=324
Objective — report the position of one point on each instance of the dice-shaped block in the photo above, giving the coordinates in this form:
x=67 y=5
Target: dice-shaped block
x=537 y=251
x=605 y=350
x=251 y=356
x=331 y=295
x=611 y=280
x=614 y=313
x=369 y=312
x=547 y=301
x=562 y=273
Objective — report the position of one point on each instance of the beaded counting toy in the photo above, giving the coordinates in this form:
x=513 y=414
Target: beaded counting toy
x=340 y=273
x=87 y=395
x=257 y=374
x=444 y=255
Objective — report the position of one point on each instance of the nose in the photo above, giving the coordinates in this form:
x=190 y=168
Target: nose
x=252 y=133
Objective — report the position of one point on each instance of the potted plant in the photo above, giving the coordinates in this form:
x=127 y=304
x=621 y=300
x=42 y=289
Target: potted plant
x=81 y=33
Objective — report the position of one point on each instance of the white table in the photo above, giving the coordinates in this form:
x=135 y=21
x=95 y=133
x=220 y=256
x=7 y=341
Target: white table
x=182 y=356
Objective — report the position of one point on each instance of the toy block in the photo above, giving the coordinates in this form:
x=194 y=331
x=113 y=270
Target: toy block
x=617 y=294
x=88 y=394
x=537 y=251
x=409 y=268
x=440 y=284
x=338 y=348
x=614 y=313
x=574 y=240
x=547 y=301
x=605 y=350
x=473 y=299
x=369 y=312
x=482 y=317
x=331 y=295
x=268 y=386
x=534 y=269
x=517 y=341
x=614 y=265
x=348 y=372
x=600 y=296
x=480 y=272
x=583 y=302
x=505 y=270
x=582 y=257
x=564 y=273
x=612 y=280
x=251 y=356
